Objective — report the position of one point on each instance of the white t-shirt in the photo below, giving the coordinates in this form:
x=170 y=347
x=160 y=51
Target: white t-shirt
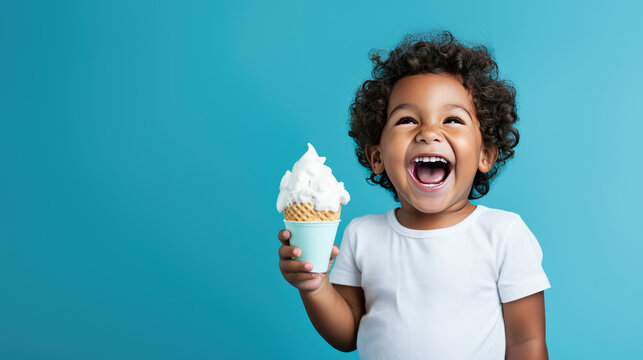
x=437 y=294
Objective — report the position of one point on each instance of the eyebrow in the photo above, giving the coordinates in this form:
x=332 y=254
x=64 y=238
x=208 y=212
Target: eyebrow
x=413 y=107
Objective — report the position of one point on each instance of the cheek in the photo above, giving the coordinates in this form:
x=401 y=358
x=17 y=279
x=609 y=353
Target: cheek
x=392 y=159
x=395 y=147
x=467 y=153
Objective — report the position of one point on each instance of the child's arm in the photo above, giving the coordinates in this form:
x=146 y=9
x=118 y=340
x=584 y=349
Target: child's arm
x=334 y=310
x=525 y=328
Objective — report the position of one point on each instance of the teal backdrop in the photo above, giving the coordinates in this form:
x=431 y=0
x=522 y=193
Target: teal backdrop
x=142 y=144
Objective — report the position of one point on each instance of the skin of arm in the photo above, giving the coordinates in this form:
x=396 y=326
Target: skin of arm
x=335 y=312
x=525 y=328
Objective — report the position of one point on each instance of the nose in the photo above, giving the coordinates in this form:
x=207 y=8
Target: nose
x=428 y=134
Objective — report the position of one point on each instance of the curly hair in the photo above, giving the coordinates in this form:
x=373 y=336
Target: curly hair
x=441 y=53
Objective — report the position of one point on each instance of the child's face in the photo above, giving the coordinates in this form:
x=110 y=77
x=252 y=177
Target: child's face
x=431 y=114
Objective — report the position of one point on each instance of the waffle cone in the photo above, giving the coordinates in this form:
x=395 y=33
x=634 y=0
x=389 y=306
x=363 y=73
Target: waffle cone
x=307 y=212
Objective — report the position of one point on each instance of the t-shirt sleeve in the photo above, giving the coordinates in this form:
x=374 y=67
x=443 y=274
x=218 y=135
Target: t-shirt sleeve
x=345 y=270
x=520 y=264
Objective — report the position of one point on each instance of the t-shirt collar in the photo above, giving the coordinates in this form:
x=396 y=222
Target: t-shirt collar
x=434 y=232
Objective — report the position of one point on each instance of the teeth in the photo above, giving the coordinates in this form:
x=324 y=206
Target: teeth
x=430 y=159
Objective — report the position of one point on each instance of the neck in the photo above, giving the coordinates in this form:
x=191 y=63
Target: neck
x=410 y=217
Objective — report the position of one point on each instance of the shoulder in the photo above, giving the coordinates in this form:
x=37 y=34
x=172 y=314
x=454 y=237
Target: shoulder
x=490 y=213
x=497 y=219
x=372 y=221
x=366 y=228
x=510 y=230
x=501 y=227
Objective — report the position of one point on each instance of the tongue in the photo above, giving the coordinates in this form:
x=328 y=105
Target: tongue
x=428 y=175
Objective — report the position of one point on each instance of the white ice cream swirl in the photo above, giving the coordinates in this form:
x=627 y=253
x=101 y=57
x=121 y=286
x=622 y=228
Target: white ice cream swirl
x=311 y=181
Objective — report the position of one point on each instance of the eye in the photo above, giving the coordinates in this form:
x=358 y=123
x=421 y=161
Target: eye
x=405 y=120
x=455 y=119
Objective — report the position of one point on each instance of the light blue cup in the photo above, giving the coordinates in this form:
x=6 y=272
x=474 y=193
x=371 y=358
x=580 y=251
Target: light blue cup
x=315 y=239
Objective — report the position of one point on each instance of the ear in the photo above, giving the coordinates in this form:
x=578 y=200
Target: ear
x=488 y=157
x=374 y=156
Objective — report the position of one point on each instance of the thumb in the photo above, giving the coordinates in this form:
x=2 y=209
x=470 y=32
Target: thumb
x=334 y=252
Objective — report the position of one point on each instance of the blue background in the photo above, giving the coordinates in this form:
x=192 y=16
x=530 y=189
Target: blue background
x=142 y=147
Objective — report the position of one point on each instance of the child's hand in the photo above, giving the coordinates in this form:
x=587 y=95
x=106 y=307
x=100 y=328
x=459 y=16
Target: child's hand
x=297 y=273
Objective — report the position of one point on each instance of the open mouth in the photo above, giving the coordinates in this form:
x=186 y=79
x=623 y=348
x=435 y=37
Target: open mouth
x=430 y=171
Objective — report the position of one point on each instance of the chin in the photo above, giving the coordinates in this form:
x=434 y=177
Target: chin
x=427 y=208
x=431 y=210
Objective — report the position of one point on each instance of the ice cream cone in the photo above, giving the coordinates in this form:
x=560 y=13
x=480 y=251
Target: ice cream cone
x=311 y=200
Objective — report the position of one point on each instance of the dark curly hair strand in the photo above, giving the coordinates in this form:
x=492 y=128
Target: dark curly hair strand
x=441 y=53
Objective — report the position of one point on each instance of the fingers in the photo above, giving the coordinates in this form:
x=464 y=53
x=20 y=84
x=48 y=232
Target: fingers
x=286 y=264
x=287 y=252
x=301 y=276
x=294 y=266
x=284 y=236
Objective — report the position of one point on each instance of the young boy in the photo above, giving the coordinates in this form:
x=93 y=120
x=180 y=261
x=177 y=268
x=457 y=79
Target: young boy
x=438 y=277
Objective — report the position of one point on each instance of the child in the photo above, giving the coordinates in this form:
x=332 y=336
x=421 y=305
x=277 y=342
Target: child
x=438 y=277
